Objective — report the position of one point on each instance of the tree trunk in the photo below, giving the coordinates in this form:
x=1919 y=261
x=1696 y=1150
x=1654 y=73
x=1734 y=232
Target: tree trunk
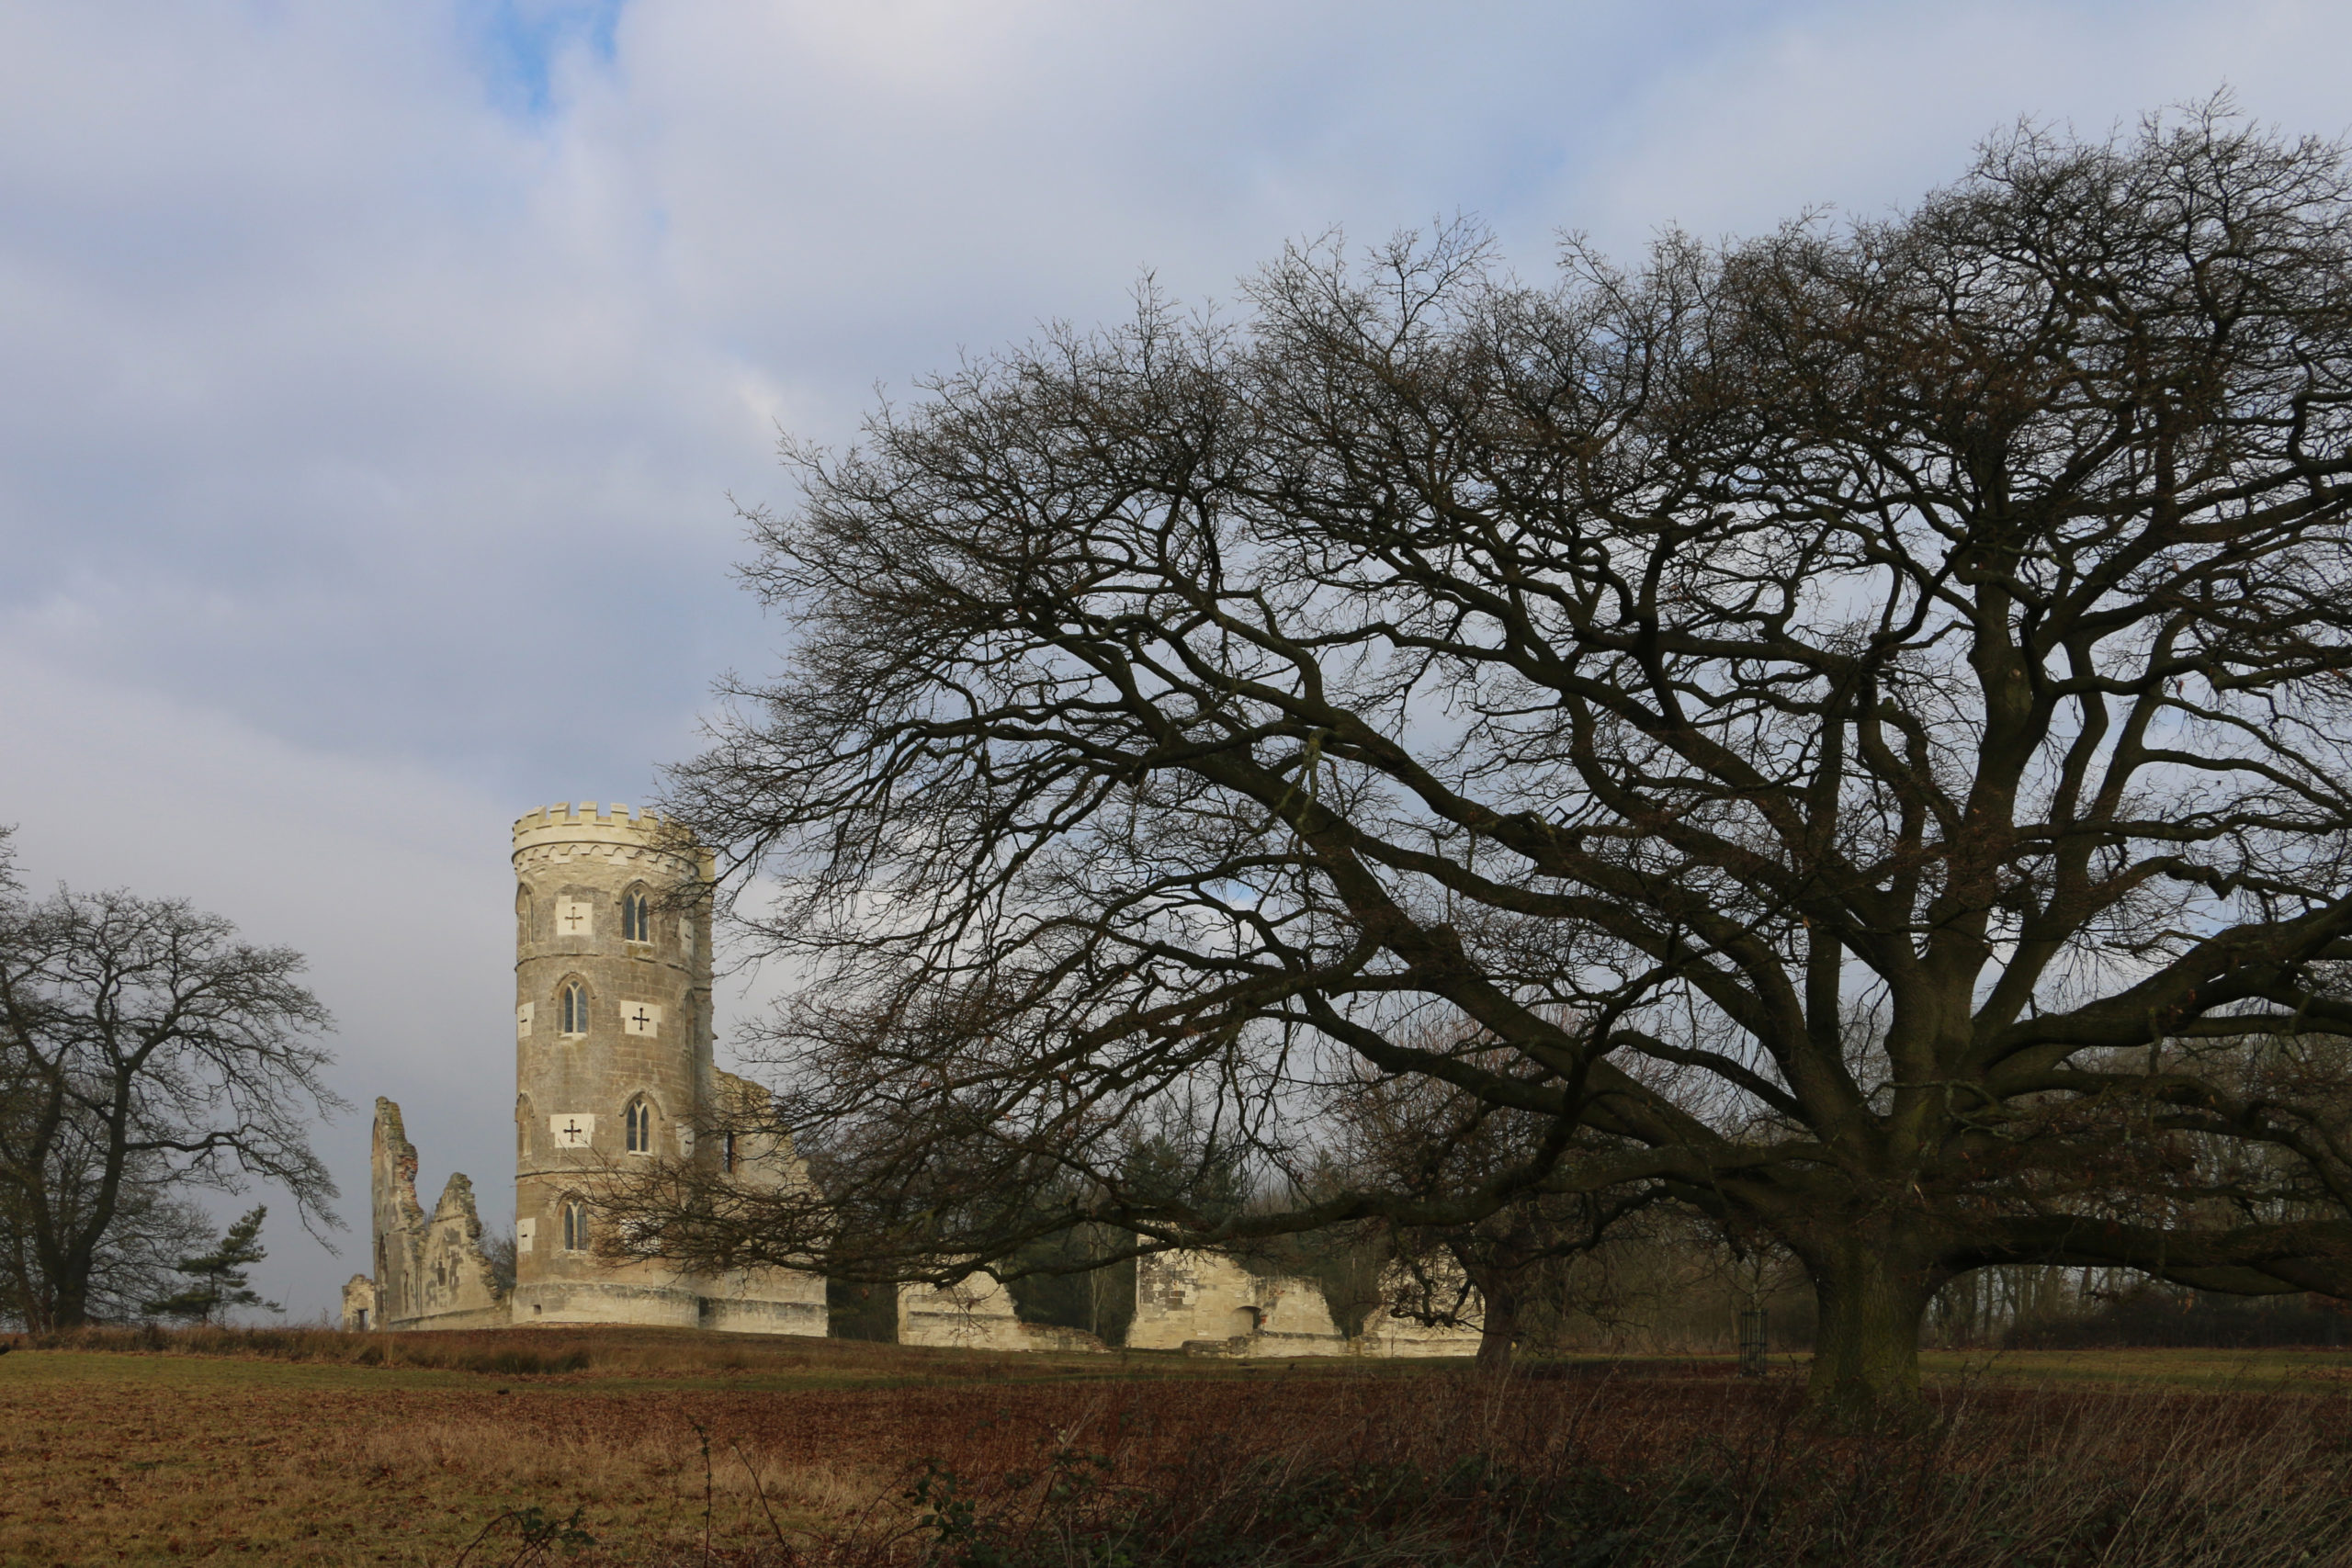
x=69 y=1287
x=69 y=1309
x=1499 y=1323
x=1866 y=1347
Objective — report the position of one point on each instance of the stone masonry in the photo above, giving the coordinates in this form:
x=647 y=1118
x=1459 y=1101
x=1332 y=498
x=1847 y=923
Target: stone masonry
x=1209 y=1304
x=613 y=1064
x=429 y=1267
x=1203 y=1300
x=975 y=1313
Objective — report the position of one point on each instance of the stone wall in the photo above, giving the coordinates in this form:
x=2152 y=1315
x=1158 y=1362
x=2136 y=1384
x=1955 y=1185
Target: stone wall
x=1204 y=1301
x=430 y=1270
x=976 y=1314
x=1394 y=1329
x=359 y=1305
x=396 y=1216
x=763 y=1299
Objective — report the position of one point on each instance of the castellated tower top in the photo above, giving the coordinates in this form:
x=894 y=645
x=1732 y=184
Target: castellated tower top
x=565 y=827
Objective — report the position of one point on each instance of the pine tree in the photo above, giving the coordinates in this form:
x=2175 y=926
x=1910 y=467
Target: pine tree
x=218 y=1277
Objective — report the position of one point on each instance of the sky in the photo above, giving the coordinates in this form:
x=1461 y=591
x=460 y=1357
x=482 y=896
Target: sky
x=378 y=380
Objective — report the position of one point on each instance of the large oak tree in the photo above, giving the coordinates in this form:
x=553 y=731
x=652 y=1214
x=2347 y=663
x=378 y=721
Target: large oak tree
x=1848 y=728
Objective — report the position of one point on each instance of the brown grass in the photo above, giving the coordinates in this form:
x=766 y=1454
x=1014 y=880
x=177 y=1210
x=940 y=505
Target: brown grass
x=525 y=1352
x=283 y=1449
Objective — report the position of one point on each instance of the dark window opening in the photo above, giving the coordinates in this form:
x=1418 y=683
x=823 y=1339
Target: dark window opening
x=637 y=916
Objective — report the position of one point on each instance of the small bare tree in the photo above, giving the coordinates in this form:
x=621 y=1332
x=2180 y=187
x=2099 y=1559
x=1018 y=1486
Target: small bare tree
x=144 y=1051
x=1859 y=718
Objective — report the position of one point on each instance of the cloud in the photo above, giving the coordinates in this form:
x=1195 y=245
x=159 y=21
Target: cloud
x=1866 y=107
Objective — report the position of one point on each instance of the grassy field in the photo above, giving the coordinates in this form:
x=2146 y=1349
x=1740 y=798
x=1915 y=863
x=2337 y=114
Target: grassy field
x=307 y=1447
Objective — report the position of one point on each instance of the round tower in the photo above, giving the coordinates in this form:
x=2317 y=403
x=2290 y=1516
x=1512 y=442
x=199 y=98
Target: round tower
x=612 y=1046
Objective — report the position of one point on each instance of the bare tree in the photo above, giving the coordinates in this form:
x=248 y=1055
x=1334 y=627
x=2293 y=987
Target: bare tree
x=1858 y=717
x=144 y=1051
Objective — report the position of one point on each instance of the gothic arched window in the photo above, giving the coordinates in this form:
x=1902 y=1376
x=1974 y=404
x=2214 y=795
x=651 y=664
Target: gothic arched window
x=638 y=1120
x=522 y=916
x=576 y=1225
x=573 y=1005
x=636 y=915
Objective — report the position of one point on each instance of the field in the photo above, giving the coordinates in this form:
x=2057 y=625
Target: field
x=634 y=1447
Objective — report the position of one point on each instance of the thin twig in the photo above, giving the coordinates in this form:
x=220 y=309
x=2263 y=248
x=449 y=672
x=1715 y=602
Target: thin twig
x=760 y=1493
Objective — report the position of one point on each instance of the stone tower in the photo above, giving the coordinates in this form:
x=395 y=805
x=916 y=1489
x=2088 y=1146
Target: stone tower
x=613 y=1064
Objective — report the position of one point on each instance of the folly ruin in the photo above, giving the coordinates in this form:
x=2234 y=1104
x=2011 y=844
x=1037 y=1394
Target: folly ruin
x=614 y=1063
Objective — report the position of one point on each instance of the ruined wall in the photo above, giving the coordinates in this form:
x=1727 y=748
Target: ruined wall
x=394 y=1213
x=1392 y=1329
x=1203 y=1300
x=972 y=1315
x=763 y=1299
x=430 y=1271
x=1207 y=1302
x=359 y=1305
x=976 y=1314
x=460 y=1289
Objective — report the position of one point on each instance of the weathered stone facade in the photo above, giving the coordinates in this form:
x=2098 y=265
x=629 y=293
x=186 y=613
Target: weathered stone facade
x=1204 y=1301
x=1391 y=1330
x=1208 y=1305
x=359 y=1304
x=613 y=1064
x=975 y=1313
x=430 y=1271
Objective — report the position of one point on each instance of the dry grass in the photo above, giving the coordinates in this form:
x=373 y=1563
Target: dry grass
x=526 y=1352
x=303 y=1451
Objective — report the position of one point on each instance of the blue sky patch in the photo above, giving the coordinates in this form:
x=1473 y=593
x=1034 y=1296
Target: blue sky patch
x=518 y=42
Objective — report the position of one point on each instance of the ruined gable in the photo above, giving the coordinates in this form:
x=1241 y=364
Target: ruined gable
x=430 y=1269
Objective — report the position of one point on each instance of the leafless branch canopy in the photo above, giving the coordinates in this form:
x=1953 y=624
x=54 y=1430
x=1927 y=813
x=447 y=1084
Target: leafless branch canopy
x=1848 y=728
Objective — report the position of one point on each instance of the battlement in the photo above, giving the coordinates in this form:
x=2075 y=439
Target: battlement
x=565 y=813
x=583 y=823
